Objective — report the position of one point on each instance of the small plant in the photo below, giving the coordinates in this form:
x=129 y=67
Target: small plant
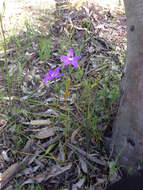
x=69 y=59
x=45 y=51
x=113 y=168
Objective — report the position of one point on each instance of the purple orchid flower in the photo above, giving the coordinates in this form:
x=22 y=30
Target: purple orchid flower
x=70 y=59
x=52 y=74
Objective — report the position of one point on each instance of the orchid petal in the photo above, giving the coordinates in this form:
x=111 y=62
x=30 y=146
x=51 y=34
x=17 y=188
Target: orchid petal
x=47 y=77
x=71 y=53
x=65 y=64
x=74 y=64
x=76 y=58
x=52 y=74
x=56 y=71
x=64 y=58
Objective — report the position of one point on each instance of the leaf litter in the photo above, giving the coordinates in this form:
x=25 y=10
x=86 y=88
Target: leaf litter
x=50 y=160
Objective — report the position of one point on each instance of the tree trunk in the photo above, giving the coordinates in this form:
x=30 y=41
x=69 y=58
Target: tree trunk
x=127 y=136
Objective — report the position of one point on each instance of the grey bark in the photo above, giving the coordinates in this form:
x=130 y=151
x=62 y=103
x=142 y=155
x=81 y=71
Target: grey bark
x=127 y=136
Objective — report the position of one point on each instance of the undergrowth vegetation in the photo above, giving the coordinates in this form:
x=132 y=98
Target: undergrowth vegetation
x=64 y=118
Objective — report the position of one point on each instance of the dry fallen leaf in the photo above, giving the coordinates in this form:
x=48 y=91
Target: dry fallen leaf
x=79 y=184
x=74 y=134
x=57 y=170
x=83 y=165
x=8 y=170
x=38 y=122
x=4 y=155
x=3 y=123
x=47 y=132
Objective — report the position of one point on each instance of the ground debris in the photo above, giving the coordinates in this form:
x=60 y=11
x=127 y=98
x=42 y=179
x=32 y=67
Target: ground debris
x=48 y=142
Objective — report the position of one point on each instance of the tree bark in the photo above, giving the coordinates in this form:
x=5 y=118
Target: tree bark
x=127 y=137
